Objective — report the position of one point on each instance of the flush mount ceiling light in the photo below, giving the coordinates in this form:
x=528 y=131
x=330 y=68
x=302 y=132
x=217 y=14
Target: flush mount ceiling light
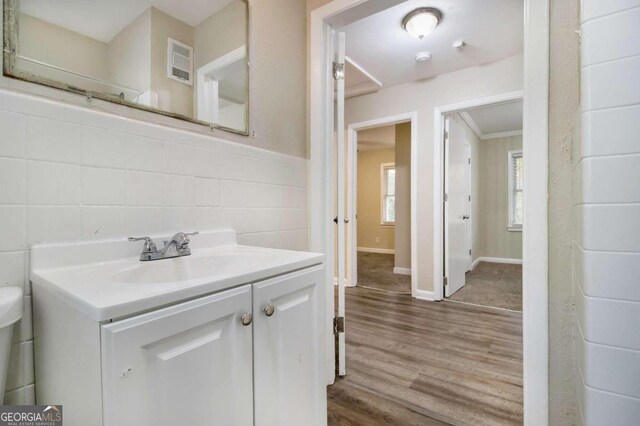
x=422 y=21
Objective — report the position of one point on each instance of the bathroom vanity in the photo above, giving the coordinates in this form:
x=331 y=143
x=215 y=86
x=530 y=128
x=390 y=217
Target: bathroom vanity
x=230 y=335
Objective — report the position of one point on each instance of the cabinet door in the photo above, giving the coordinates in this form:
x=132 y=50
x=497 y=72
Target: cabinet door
x=287 y=351
x=189 y=364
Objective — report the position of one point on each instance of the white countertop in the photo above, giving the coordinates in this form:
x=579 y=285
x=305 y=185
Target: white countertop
x=93 y=278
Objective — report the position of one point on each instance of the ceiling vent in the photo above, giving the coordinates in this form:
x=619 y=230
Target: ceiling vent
x=180 y=62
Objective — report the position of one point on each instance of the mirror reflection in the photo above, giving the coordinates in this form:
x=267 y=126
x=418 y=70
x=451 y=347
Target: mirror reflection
x=186 y=59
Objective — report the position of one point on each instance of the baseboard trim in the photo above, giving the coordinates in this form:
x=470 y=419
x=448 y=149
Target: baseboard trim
x=424 y=295
x=376 y=250
x=402 y=271
x=495 y=260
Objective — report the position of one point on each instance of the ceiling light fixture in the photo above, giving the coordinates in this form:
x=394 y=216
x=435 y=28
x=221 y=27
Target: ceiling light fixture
x=422 y=57
x=422 y=21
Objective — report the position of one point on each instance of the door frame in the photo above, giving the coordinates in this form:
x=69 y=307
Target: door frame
x=207 y=88
x=352 y=141
x=439 y=185
x=535 y=233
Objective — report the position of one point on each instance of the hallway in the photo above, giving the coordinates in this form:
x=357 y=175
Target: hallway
x=412 y=362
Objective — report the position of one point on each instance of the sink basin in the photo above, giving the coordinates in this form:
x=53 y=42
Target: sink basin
x=106 y=280
x=205 y=265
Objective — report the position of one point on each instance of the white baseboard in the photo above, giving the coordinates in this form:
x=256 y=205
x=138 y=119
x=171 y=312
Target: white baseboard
x=402 y=271
x=424 y=295
x=495 y=260
x=475 y=263
x=376 y=250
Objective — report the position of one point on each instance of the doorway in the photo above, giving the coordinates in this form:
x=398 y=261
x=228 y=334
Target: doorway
x=380 y=182
x=536 y=60
x=483 y=206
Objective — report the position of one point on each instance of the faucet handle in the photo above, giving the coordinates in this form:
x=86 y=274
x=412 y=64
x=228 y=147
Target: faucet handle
x=182 y=238
x=149 y=245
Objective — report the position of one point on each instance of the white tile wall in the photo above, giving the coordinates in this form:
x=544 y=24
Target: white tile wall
x=607 y=255
x=69 y=173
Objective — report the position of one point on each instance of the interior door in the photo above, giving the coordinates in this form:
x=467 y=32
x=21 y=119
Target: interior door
x=341 y=218
x=288 y=389
x=456 y=211
x=189 y=364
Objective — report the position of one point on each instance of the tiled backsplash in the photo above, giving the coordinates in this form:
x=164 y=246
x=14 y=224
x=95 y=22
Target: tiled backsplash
x=70 y=173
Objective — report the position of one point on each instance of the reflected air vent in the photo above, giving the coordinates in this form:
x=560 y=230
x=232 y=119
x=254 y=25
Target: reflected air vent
x=180 y=61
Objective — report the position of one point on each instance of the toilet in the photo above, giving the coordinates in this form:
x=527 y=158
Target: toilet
x=11 y=306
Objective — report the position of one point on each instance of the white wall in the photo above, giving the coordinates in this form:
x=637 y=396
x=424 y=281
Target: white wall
x=607 y=250
x=470 y=83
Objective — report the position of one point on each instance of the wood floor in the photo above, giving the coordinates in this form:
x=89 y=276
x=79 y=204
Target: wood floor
x=412 y=362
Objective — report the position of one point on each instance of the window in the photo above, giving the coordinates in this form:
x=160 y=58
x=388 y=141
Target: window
x=515 y=190
x=388 y=199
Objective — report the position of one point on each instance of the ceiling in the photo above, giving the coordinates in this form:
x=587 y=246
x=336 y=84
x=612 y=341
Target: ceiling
x=103 y=19
x=495 y=121
x=491 y=29
x=383 y=137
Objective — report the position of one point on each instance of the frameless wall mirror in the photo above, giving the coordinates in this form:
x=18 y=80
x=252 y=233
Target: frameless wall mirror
x=185 y=59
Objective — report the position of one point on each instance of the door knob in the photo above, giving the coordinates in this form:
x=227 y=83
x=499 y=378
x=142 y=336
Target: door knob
x=269 y=310
x=346 y=220
x=247 y=318
x=465 y=217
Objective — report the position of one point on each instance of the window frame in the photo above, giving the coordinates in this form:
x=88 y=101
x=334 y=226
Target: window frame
x=511 y=156
x=383 y=193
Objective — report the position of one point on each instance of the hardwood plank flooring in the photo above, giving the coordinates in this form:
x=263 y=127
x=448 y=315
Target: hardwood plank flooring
x=411 y=362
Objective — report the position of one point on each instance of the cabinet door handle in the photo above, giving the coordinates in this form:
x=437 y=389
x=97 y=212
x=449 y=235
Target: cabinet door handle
x=269 y=310
x=247 y=318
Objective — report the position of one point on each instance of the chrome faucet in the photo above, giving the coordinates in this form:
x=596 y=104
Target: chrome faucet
x=177 y=246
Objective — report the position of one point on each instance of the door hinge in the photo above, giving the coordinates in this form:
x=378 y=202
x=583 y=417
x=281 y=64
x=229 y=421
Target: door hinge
x=446 y=135
x=469 y=197
x=338 y=325
x=469 y=252
x=338 y=70
x=469 y=160
x=445 y=281
x=446 y=197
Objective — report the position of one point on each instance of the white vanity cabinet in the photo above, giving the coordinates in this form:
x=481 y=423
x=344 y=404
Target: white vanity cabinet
x=188 y=364
x=245 y=355
x=286 y=350
x=230 y=335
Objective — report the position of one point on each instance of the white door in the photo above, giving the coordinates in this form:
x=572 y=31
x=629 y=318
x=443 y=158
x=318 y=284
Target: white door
x=341 y=218
x=468 y=222
x=189 y=364
x=287 y=367
x=456 y=208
